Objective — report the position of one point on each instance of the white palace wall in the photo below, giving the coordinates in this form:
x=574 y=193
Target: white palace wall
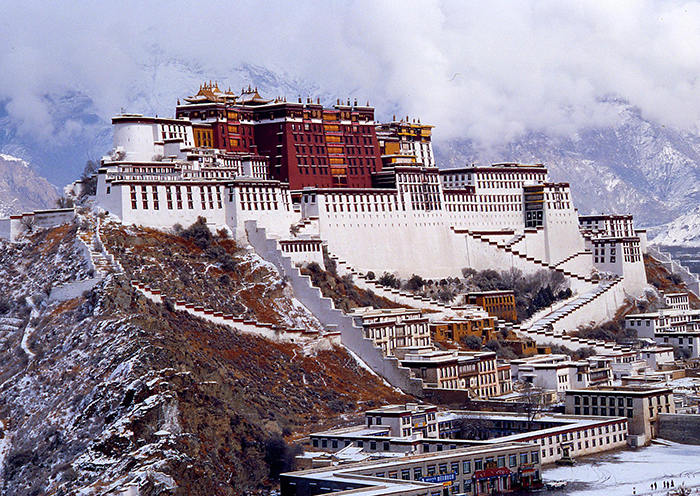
x=162 y=205
x=148 y=204
x=562 y=234
x=11 y=228
x=380 y=238
x=264 y=202
x=373 y=230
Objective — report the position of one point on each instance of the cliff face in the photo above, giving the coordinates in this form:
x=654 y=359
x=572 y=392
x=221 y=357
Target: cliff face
x=110 y=389
x=22 y=189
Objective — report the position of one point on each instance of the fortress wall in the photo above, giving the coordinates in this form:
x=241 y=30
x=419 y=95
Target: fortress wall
x=535 y=245
x=332 y=318
x=164 y=217
x=599 y=310
x=581 y=264
x=5 y=229
x=486 y=220
x=276 y=221
x=53 y=218
x=405 y=242
x=42 y=219
x=227 y=212
x=482 y=255
x=114 y=201
x=635 y=277
x=680 y=428
x=562 y=234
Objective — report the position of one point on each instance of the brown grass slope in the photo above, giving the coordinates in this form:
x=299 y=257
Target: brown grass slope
x=122 y=389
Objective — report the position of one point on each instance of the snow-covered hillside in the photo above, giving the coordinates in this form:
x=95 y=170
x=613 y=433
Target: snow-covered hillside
x=685 y=230
x=109 y=390
x=21 y=188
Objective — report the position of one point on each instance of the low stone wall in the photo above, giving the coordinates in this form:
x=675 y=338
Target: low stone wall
x=13 y=227
x=690 y=279
x=266 y=330
x=679 y=428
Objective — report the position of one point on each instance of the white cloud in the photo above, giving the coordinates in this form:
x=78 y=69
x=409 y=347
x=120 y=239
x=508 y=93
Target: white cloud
x=481 y=70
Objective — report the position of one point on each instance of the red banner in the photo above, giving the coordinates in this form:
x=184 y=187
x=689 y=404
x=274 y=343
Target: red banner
x=491 y=472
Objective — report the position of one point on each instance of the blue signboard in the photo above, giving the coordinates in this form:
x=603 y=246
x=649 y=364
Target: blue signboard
x=439 y=478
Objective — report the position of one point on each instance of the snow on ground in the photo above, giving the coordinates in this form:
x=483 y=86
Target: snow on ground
x=5 y=445
x=630 y=472
x=29 y=329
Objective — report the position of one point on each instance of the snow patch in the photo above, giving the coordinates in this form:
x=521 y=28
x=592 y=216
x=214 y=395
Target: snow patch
x=10 y=158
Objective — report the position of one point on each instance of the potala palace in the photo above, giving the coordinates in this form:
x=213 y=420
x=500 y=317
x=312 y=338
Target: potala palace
x=303 y=187
x=370 y=192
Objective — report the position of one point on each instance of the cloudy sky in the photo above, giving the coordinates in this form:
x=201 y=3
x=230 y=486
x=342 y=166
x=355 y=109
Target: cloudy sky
x=487 y=71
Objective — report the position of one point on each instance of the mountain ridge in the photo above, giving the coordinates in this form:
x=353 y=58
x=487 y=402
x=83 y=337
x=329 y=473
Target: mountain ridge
x=22 y=189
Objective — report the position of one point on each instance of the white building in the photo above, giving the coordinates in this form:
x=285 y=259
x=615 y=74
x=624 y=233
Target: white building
x=669 y=327
x=657 y=356
x=617 y=248
x=677 y=301
x=391 y=328
x=146 y=139
x=473 y=371
x=553 y=436
x=558 y=372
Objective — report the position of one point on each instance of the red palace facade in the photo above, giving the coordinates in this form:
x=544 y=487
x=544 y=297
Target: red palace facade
x=305 y=143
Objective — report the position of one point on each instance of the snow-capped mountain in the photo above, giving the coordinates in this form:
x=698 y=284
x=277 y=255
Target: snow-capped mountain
x=684 y=230
x=22 y=189
x=637 y=166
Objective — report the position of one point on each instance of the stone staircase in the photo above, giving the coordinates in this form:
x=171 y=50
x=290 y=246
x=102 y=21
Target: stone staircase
x=101 y=261
x=571 y=257
x=508 y=248
x=98 y=258
x=515 y=240
x=398 y=296
x=323 y=308
x=543 y=328
x=306 y=227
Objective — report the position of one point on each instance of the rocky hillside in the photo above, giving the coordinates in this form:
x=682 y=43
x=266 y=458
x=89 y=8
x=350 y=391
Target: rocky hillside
x=22 y=189
x=110 y=389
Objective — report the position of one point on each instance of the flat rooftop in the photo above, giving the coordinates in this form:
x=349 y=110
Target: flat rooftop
x=621 y=390
x=325 y=472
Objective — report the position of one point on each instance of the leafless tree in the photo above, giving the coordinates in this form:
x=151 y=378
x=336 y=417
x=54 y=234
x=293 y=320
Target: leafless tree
x=28 y=223
x=472 y=428
x=534 y=402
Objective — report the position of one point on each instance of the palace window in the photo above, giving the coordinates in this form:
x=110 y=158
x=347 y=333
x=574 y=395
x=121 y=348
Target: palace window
x=190 y=202
x=134 y=203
